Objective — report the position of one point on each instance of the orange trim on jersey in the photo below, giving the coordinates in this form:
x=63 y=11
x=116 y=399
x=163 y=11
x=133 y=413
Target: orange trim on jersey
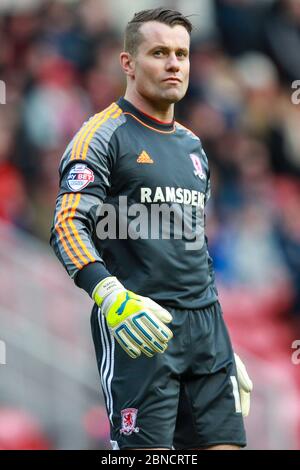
x=80 y=133
x=85 y=130
x=155 y=119
x=90 y=126
x=67 y=204
x=149 y=127
x=117 y=114
x=61 y=239
x=74 y=229
x=66 y=218
x=73 y=206
x=87 y=139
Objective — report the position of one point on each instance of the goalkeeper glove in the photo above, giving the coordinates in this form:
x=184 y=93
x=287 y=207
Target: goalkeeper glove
x=136 y=322
x=245 y=385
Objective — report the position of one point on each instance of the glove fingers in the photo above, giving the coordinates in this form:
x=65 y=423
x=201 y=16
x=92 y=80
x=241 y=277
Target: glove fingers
x=126 y=344
x=132 y=341
x=159 y=329
x=245 y=402
x=144 y=327
x=244 y=380
x=137 y=323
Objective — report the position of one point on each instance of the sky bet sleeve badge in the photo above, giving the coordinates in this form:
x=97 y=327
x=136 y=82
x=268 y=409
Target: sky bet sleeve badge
x=79 y=177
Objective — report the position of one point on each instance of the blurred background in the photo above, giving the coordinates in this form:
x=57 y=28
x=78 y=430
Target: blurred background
x=59 y=62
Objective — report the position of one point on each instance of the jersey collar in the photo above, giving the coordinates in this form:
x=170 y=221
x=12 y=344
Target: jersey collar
x=126 y=106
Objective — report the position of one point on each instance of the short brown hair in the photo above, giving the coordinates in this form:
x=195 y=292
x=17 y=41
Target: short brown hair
x=133 y=36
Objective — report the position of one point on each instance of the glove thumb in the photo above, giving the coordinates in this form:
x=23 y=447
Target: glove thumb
x=244 y=380
x=161 y=313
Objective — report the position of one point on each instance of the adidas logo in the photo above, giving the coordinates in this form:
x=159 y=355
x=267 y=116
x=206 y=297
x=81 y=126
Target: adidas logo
x=144 y=157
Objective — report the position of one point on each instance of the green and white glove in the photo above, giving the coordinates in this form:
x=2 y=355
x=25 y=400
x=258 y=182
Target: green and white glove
x=136 y=322
x=245 y=385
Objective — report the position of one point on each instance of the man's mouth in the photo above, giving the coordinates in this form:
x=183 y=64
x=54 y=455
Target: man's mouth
x=172 y=79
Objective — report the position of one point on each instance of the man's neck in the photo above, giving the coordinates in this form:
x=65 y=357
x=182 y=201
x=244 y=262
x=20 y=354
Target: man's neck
x=165 y=114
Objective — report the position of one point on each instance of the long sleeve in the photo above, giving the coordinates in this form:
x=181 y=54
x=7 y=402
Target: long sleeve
x=85 y=179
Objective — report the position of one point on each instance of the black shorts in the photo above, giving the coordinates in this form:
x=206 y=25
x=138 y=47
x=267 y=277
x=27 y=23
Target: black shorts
x=185 y=398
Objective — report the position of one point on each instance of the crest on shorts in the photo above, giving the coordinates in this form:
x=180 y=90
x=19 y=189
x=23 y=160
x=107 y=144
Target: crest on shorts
x=198 y=170
x=129 y=416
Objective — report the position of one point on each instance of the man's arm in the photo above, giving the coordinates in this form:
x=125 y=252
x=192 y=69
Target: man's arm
x=85 y=171
x=74 y=222
x=136 y=322
x=207 y=197
x=244 y=382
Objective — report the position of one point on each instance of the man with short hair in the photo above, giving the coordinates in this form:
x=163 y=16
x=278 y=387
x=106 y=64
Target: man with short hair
x=161 y=344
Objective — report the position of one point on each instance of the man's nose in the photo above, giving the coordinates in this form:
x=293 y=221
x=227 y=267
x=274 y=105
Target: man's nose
x=173 y=63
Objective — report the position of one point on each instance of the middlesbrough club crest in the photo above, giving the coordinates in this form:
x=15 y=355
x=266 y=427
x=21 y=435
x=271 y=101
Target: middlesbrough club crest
x=128 y=421
x=198 y=170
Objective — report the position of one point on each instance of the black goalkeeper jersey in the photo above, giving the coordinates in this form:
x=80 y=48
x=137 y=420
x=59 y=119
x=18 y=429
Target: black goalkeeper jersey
x=131 y=204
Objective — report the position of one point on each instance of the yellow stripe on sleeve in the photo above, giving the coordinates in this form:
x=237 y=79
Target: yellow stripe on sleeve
x=61 y=239
x=88 y=137
x=66 y=217
x=76 y=151
x=85 y=129
x=75 y=231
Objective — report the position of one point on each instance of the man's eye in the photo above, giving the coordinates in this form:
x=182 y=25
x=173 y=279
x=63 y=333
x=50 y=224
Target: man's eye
x=158 y=53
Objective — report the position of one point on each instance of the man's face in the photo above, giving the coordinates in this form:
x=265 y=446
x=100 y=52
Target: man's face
x=161 y=65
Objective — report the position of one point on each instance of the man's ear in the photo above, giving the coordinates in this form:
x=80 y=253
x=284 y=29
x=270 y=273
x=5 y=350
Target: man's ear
x=127 y=63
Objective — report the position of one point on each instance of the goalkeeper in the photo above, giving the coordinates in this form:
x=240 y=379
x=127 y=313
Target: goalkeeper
x=161 y=343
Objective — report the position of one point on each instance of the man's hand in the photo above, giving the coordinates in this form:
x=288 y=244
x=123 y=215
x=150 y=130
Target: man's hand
x=136 y=322
x=245 y=385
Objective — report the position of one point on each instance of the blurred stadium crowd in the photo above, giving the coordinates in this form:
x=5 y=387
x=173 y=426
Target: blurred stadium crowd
x=59 y=62
x=60 y=65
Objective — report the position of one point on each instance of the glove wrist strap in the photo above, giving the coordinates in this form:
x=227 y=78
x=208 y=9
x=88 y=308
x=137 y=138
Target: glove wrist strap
x=105 y=288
